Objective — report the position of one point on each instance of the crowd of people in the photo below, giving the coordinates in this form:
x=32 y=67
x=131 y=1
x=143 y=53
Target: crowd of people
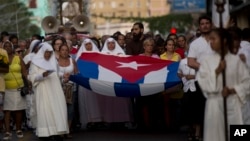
x=54 y=103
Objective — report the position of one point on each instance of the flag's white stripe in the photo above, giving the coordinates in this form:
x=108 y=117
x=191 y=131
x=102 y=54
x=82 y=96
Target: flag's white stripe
x=149 y=89
x=108 y=75
x=225 y=14
x=159 y=76
x=102 y=87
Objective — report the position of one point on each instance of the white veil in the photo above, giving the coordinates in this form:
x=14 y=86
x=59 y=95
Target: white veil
x=40 y=61
x=117 y=50
x=31 y=54
x=83 y=48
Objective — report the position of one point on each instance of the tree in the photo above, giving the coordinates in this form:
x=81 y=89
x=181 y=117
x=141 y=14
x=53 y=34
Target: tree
x=15 y=19
x=162 y=24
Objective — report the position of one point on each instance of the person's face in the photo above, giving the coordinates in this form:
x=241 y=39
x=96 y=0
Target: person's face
x=170 y=46
x=173 y=37
x=5 y=38
x=214 y=41
x=128 y=37
x=58 y=43
x=64 y=51
x=7 y=46
x=14 y=41
x=236 y=46
x=181 y=42
x=137 y=32
x=88 y=46
x=148 y=47
x=23 y=45
x=47 y=55
x=111 y=45
x=121 y=40
x=205 y=26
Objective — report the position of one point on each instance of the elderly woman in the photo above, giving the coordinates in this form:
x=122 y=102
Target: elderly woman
x=115 y=109
x=112 y=47
x=89 y=110
x=50 y=101
x=13 y=101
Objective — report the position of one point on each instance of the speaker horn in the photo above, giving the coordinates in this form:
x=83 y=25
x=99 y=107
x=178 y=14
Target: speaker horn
x=50 y=24
x=81 y=23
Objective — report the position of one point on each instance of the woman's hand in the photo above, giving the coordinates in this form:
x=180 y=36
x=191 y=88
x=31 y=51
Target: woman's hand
x=66 y=77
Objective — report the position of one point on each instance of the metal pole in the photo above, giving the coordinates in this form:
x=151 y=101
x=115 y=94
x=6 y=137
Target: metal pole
x=220 y=9
x=60 y=12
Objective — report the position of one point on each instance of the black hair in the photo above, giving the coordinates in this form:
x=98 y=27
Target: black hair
x=206 y=17
x=58 y=38
x=141 y=26
x=13 y=36
x=184 y=37
x=235 y=32
x=225 y=35
x=38 y=37
x=172 y=34
x=166 y=42
x=246 y=34
x=3 y=34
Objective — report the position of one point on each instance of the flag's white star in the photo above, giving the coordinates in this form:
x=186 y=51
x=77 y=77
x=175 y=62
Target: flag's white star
x=132 y=65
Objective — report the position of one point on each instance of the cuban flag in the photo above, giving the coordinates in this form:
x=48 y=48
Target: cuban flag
x=125 y=76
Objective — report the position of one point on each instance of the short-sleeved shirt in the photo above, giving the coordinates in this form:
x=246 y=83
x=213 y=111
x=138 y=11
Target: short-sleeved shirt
x=176 y=57
x=199 y=48
x=2 y=83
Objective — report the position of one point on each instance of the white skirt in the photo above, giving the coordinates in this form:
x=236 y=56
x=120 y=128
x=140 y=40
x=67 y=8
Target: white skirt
x=13 y=101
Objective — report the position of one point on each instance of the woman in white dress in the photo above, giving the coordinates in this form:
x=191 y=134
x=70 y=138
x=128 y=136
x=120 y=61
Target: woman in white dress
x=235 y=91
x=88 y=105
x=115 y=109
x=50 y=101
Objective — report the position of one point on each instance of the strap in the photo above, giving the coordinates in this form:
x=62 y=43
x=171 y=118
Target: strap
x=15 y=79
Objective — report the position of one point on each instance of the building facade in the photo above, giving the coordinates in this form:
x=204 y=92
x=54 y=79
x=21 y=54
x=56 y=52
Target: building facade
x=106 y=15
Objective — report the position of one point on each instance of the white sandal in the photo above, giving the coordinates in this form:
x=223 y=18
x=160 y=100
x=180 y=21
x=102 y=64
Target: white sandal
x=7 y=136
x=19 y=133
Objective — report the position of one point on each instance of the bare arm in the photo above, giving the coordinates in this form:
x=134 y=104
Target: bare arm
x=75 y=67
x=192 y=63
x=4 y=69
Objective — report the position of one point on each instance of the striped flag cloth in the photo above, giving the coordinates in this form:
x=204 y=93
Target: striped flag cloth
x=125 y=76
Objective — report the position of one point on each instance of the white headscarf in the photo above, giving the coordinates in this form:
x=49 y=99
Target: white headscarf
x=83 y=48
x=117 y=50
x=31 y=54
x=41 y=62
x=33 y=44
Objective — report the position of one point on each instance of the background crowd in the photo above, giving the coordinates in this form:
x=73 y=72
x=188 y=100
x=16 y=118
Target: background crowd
x=55 y=105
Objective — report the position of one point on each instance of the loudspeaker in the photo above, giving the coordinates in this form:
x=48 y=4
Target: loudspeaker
x=50 y=24
x=81 y=23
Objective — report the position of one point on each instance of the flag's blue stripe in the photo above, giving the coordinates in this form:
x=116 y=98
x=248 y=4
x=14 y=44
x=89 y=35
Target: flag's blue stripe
x=172 y=78
x=88 y=69
x=83 y=81
x=138 y=82
x=127 y=90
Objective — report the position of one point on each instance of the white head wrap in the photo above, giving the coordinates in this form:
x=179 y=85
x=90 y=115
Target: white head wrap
x=41 y=62
x=117 y=50
x=83 y=48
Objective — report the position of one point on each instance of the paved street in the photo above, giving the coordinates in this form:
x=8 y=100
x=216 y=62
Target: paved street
x=118 y=135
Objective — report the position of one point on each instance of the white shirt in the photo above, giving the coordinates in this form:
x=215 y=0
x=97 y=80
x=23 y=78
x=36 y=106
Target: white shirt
x=245 y=49
x=199 y=48
x=186 y=70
